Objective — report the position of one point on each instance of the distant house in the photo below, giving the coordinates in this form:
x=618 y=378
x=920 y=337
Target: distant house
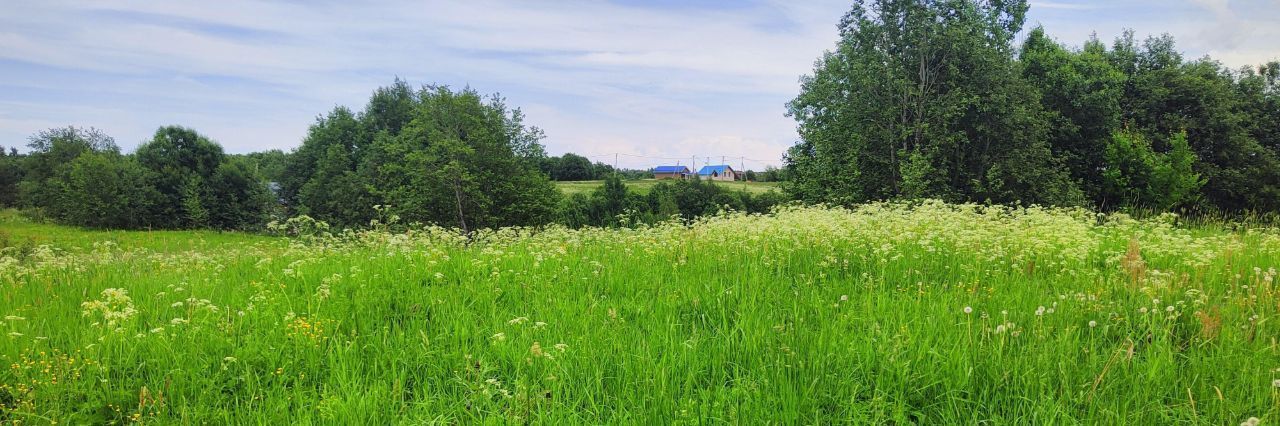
x=720 y=172
x=670 y=172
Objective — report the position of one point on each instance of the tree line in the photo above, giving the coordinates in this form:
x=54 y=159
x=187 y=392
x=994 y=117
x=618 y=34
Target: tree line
x=933 y=98
x=919 y=99
x=425 y=155
x=614 y=204
x=178 y=179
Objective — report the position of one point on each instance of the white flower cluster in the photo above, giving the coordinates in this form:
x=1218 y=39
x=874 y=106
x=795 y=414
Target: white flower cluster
x=115 y=307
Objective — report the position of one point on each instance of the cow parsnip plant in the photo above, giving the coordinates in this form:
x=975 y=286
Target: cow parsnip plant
x=889 y=313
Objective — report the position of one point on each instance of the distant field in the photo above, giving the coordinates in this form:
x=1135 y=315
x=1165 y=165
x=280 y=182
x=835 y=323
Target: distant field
x=642 y=186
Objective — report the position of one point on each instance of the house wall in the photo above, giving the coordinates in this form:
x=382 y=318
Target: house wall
x=726 y=176
x=666 y=175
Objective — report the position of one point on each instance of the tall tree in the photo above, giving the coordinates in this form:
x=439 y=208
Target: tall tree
x=10 y=176
x=341 y=129
x=432 y=155
x=1081 y=91
x=52 y=149
x=196 y=185
x=103 y=190
x=924 y=99
x=1165 y=96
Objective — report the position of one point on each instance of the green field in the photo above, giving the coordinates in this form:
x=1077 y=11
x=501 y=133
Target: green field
x=642 y=186
x=885 y=314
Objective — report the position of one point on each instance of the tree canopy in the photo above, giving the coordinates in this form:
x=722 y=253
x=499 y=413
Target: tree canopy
x=432 y=155
x=932 y=99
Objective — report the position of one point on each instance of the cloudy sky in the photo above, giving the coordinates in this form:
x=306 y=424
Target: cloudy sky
x=666 y=78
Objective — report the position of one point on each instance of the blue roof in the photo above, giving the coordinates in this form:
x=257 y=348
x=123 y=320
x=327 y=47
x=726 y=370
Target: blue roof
x=671 y=169
x=719 y=169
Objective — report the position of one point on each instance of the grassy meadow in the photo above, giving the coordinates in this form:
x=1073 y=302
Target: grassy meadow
x=888 y=313
x=642 y=186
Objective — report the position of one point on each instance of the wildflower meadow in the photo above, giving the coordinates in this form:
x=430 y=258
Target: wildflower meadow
x=903 y=313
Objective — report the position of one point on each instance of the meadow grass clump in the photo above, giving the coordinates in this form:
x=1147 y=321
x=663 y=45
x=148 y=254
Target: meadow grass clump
x=888 y=313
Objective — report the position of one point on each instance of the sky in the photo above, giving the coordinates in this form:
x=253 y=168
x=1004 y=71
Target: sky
x=642 y=82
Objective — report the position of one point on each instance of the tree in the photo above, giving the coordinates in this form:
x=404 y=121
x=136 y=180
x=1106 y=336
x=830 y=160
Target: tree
x=269 y=164
x=51 y=149
x=924 y=99
x=1165 y=96
x=102 y=190
x=350 y=136
x=1174 y=181
x=334 y=192
x=199 y=185
x=10 y=175
x=433 y=155
x=1136 y=176
x=573 y=167
x=1082 y=93
x=242 y=201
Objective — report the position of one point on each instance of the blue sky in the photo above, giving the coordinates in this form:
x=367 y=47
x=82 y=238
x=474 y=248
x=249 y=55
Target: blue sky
x=666 y=78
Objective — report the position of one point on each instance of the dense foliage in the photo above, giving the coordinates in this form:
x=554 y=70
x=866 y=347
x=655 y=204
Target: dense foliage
x=932 y=99
x=614 y=204
x=11 y=172
x=572 y=167
x=432 y=155
x=269 y=164
x=179 y=179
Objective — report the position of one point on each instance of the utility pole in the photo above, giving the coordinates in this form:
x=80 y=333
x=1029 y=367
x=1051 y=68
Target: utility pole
x=615 y=162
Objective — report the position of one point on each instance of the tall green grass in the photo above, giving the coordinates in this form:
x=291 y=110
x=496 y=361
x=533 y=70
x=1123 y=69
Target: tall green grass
x=889 y=313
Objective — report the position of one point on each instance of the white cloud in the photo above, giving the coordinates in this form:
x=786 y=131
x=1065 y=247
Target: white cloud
x=620 y=78
x=598 y=77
